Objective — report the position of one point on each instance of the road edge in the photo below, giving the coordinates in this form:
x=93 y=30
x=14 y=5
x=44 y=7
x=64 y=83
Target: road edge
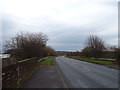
x=61 y=76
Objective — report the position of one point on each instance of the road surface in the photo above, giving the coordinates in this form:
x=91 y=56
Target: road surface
x=44 y=77
x=80 y=74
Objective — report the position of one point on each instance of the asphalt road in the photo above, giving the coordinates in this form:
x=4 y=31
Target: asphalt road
x=80 y=74
x=44 y=77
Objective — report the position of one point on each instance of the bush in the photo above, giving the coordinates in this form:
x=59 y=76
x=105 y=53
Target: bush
x=117 y=55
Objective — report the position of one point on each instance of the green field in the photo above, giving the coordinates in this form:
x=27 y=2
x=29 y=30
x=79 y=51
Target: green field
x=48 y=61
x=94 y=61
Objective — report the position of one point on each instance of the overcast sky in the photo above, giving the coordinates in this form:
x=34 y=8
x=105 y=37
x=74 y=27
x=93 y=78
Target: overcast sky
x=66 y=22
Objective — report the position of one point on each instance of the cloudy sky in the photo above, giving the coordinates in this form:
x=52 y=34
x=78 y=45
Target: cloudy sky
x=66 y=22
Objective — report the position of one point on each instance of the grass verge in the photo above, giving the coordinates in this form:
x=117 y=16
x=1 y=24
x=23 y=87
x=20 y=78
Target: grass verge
x=48 y=61
x=101 y=62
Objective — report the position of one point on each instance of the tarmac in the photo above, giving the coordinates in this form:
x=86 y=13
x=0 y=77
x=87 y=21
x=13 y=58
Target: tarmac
x=45 y=77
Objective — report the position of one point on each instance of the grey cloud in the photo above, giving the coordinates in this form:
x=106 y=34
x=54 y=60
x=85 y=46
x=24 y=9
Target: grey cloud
x=8 y=28
x=68 y=34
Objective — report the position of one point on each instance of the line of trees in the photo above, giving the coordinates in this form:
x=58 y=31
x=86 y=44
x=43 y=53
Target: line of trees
x=27 y=45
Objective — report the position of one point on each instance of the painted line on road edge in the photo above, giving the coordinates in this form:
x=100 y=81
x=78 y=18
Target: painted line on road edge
x=62 y=80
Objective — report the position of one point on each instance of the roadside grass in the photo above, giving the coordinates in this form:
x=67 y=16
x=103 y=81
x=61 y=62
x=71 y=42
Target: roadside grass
x=48 y=61
x=101 y=62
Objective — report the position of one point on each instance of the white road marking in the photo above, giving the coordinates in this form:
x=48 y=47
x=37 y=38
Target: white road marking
x=84 y=62
x=86 y=68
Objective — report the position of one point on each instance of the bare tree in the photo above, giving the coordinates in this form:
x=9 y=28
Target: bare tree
x=26 y=45
x=95 y=46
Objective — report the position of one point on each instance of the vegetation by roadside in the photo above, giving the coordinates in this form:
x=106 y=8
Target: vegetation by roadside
x=101 y=62
x=110 y=64
x=21 y=46
x=48 y=61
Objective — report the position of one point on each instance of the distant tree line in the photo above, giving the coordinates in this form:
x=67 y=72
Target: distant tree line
x=27 y=45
